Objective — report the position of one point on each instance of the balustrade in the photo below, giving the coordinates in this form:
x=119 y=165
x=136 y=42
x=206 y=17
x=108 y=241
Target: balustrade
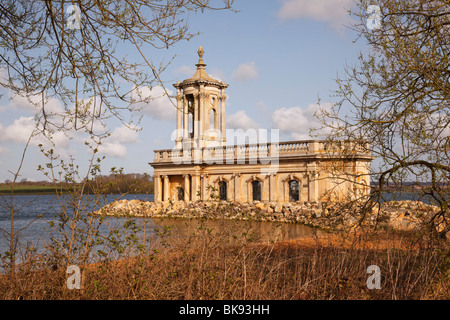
x=240 y=152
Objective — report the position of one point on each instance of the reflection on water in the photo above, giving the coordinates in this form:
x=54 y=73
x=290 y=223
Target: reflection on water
x=258 y=231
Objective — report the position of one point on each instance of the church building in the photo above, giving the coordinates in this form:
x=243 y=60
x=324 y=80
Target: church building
x=202 y=166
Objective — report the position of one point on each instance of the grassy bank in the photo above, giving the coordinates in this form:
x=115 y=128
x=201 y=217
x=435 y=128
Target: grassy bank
x=30 y=189
x=232 y=264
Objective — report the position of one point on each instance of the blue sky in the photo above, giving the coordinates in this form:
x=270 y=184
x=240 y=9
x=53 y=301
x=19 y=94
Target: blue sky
x=278 y=57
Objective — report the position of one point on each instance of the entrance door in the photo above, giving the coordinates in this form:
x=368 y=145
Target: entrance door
x=180 y=194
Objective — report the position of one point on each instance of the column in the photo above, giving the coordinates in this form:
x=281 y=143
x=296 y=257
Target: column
x=222 y=116
x=185 y=119
x=203 y=187
x=179 y=114
x=187 y=186
x=313 y=177
x=265 y=188
x=216 y=120
x=195 y=186
x=196 y=116
x=202 y=116
x=197 y=152
x=157 y=188
x=249 y=185
x=166 y=188
x=272 y=188
x=286 y=189
x=237 y=187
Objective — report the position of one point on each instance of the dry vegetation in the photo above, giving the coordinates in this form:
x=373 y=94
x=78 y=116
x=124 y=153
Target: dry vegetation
x=232 y=264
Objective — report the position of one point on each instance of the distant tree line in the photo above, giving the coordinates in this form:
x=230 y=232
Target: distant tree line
x=117 y=183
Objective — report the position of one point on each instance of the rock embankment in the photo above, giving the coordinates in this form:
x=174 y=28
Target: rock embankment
x=400 y=215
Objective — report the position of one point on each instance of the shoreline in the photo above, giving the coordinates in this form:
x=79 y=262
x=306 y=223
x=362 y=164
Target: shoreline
x=403 y=215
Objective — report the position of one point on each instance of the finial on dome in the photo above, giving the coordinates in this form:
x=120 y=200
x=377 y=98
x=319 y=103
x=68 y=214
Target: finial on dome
x=200 y=52
x=200 y=55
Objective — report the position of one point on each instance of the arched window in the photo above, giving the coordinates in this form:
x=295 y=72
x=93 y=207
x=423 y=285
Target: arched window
x=293 y=190
x=180 y=194
x=222 y=190
x=256 y=188
x=212 y=116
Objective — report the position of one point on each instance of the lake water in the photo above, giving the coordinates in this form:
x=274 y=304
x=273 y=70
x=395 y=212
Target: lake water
x=34 y=212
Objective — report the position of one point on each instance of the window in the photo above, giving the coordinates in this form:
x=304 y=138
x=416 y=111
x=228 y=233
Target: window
x=293 y=190
x=222 y=190
x=212 y=116
x=256 y=188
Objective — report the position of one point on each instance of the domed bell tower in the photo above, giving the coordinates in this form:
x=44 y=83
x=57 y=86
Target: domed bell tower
x=200 y=110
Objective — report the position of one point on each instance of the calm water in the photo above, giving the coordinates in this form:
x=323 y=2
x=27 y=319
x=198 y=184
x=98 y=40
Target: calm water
x=34 y=212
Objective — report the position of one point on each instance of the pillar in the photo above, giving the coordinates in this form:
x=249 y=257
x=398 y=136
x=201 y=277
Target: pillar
x=157 y=187
x=313 y=186
x=185 y=119
x=196 y=117
x=222 y=116
x=237 y=187
x=179 y=115
x=195 y=185
x=166 y=188
x=203 y=182
x=265 y=188
x=197 y=151
x=286 y=189
x=216 y=120
x=187 y=187
x=272 y=188
x=203 y=116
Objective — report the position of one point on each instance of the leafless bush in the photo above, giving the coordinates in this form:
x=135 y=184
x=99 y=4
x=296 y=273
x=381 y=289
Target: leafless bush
x=230 y=262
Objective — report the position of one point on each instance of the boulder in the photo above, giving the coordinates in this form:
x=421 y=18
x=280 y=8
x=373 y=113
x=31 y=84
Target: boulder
x=403 y=221
x=260 y=205
x=278 y=207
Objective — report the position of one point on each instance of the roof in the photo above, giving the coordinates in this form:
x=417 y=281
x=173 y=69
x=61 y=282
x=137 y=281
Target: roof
x=200 y=74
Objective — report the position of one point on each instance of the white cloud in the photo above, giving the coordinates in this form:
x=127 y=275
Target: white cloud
x=114 y=145
x=113 y=149
x=158 y=106
x=240 y=120
x=297 y=121
x=332 y=11
x=124 y=134
x=245 y=72
x=33 y=102
x=19 y=131
x=185 y=70
x=217 y=74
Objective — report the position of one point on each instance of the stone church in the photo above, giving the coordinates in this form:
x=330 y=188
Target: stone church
x=202 y=166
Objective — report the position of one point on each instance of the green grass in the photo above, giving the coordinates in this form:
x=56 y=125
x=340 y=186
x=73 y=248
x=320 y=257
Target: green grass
x=27 y=189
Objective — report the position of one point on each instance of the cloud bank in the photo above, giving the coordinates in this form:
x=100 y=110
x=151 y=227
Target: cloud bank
x=297 y=122
x=331 y=11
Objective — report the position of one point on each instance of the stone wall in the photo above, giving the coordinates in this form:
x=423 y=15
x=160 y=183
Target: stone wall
x=400 y=215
